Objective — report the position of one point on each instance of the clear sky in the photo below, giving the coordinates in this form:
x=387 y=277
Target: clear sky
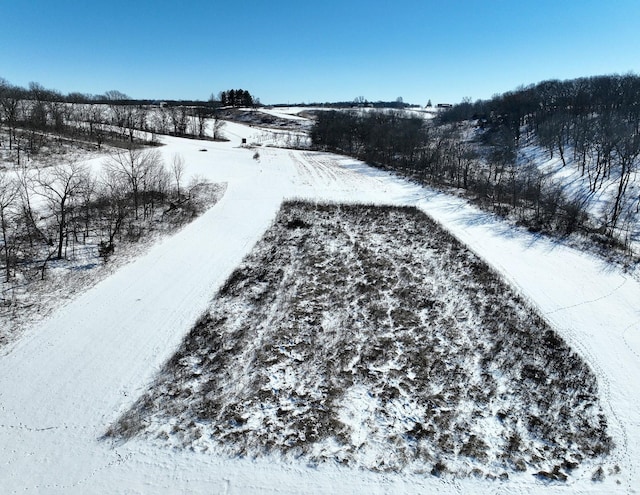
x=293 y=51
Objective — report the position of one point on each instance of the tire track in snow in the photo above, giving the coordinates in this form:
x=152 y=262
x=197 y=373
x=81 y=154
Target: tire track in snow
x=332 y=169
x=321 y=169
x=303 y=170
x=619 y=453
x=626 y=342
x=583 y=303
x=119 y=459
x=313 y=170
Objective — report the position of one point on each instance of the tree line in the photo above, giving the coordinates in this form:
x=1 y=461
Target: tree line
x=115 y=95
x=112 y=117
x=590 y=123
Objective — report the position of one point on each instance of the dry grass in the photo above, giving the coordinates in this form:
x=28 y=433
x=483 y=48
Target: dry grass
x=368 y=336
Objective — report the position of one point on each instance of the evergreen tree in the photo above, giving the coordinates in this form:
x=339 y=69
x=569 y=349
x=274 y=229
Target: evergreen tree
x=237 y=98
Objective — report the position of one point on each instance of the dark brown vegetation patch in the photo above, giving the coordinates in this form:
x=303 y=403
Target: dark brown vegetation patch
x=369 y=336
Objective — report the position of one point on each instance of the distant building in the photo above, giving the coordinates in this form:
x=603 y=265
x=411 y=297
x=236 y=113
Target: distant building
x=444 y=105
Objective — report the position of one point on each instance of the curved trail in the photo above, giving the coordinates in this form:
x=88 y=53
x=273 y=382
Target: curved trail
x=75 y=373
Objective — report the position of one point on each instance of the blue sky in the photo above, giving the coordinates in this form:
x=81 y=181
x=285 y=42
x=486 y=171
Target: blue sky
x=287 y=51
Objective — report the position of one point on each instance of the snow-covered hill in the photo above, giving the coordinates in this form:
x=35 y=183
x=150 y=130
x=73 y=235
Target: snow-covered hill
x=74 y=374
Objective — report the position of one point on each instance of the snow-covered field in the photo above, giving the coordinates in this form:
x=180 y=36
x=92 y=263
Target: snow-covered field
x=71 y=376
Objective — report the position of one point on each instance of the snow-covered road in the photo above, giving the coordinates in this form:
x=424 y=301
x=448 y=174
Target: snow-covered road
x=68 y=378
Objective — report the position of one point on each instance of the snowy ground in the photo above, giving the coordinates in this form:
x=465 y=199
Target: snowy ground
x=71 y=376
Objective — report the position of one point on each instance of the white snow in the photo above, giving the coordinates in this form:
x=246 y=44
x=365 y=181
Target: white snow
x=72 y=375
x=289 y=113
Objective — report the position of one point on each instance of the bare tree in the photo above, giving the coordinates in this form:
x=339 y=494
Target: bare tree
x=627 y=148
x=155 y=187
x=87 y=195
x=115 y=95
x=59 y=186
x=135 y=167
x=160 y=119
x=8 y=195
x=38 y=110
x=114 y=207
x=96 y=118
x=120 y=110
x=9 y=103
x=201 y=120
x=136 y=118
x=179 y=120
x=217 y=127
x=28 y=218
x=177 y=171
x=58 y=111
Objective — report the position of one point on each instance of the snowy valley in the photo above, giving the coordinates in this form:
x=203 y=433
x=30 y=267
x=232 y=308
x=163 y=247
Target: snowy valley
x=329 y=327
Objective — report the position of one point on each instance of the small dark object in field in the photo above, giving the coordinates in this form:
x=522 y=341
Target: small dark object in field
x=105 y=249
x=297 y=223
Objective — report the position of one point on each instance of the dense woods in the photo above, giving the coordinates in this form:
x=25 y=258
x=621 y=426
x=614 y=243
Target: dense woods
x=591 y=124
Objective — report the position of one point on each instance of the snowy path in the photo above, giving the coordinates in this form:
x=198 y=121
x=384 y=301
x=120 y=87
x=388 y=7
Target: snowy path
x=71 y=376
